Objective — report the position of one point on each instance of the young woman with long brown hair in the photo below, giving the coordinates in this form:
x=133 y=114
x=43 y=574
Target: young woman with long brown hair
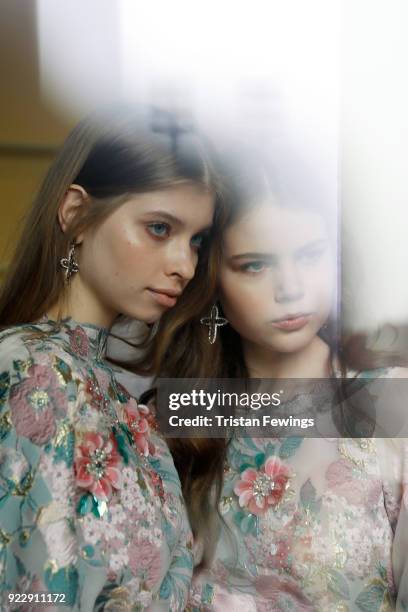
x=306 y=523
x=91 y=511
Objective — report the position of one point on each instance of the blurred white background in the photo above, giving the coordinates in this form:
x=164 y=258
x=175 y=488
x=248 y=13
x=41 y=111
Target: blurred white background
x=325 y=78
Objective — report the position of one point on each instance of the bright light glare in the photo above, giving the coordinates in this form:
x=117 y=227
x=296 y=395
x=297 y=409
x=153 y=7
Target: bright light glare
x=268 y=62
x=374 y=168
x=215 y=51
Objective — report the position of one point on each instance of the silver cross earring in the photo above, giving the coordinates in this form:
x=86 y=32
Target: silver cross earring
x=69 y=263
x=214 y=321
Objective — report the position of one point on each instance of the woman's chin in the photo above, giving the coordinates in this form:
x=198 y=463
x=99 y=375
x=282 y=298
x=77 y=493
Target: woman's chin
x=144 y=315
x=291 y=342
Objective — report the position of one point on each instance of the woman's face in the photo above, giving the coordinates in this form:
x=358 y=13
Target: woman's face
x=140 y=259
x=277 y=277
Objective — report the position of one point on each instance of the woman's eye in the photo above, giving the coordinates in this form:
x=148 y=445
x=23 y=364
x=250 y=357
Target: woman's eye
x=197 y=241
x=253 y=266
x=159 y=230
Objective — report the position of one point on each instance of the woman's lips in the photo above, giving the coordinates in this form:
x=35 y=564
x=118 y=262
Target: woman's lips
x=292 y=323
x=163 y=298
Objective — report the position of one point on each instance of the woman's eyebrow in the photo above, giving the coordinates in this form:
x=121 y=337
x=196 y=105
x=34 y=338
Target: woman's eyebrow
x=272 y=256
x=164 y=215
x=252 y=256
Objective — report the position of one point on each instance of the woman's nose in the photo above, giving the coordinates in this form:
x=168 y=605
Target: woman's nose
x=182 y=261
x=288 y=283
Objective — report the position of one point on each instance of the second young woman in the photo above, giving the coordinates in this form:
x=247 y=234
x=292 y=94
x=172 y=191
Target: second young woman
x=307 y=524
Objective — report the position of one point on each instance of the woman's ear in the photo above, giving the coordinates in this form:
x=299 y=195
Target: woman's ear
x=72 y=203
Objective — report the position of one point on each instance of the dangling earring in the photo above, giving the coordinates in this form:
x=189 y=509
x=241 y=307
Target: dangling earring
x=213 y=322
x=69 y=263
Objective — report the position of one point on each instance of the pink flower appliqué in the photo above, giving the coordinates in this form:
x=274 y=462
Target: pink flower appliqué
x=259 y=489
x=275 y=589
x=136 y=416
x=34 y=403
x=344 y=482
x=79 y=341
x=96 y=465
x=145 y=556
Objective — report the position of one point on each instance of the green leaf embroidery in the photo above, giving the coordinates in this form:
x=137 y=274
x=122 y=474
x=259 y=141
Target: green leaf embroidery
x=88 y=551
x=207 y=594
x=338 y=584
x=64 y=581
x=63 y=370
x=118 y=392
x=127 y=433
x=383 y=572
x=308 y=497
x=22 y=366
x=24 y=537
x=141 y=481
x=25 y=484
x=5 y=425
x=5 y=538
x=111 y=392
x=247 y=523
x=371 y=598
x=85 y=504
x=250 y=444
x=238 y=459
x=166 y=587
x=289 y=447
x=20 y=567
x=90 y=503
x=122 y=445
x=99 y=507
x=270 y=449
x=64 y=442
x=4 y=386
x=259 y=460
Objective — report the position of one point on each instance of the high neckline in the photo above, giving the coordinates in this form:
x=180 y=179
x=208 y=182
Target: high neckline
x=85 y=339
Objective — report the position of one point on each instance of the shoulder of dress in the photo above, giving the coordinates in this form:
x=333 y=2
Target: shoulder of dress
x=38 y=386
x=13 y=346
x=392 y=455
x=30 y=344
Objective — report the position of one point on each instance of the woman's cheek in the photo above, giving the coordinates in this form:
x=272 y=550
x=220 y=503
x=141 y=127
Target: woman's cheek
x=321 y=280
x=131 y=251
x=245 y=294
x=242 y=305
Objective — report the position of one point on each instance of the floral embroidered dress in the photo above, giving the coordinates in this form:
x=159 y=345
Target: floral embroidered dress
x=310 y=524
x=90 y=501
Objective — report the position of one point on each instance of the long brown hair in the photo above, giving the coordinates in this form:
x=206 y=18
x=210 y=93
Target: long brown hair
x=111 y=154
x=183 y=351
